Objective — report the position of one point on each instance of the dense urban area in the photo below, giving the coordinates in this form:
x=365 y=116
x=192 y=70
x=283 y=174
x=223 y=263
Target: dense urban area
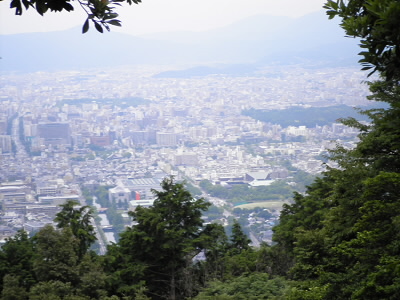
x=222 y=182
x=106 y=138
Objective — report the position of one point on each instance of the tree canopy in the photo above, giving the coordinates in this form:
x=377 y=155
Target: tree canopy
x=79 y=220
x=377 y=24
x=162 y=243
x=342 y=236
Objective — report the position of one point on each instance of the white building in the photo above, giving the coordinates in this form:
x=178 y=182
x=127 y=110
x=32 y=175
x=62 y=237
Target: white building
x=166 y=139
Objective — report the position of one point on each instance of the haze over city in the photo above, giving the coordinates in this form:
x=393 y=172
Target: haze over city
x=160 y=15
x=178 y=89
x=205 y=149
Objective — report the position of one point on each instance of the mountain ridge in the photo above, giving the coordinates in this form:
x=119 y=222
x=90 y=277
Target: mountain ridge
x=253 y=40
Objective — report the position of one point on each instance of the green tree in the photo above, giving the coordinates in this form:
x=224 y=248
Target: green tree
x=56 y=258
x=12 y=289
x=79 y=220
x=214 y=243
x=343 y=233
x=238 y=240
x=377 y=24
x=16 y=259
x=253 y=286
x=160 y=247
x=51 y=290
x=92 y=278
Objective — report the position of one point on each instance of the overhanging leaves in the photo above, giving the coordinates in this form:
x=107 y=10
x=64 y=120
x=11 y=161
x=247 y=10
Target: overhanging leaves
x=100 y=12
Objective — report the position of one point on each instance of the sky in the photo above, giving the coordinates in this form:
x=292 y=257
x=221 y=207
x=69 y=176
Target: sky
x=159 y=15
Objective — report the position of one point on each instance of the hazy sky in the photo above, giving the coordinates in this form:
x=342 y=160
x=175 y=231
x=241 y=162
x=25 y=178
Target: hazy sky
x=160 y=15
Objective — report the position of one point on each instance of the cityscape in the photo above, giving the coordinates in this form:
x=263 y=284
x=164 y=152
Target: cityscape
x=197 y=150
x=127 y=128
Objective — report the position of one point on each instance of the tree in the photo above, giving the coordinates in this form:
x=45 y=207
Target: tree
x=377 y=23
x=16 y=260
x=92 y=278
x=101 y=13
x=239 y=240
x=56 y=257
x=61 y=272
x=343 y=234
x=80 y=222
x=303 y=219
x=160 y=247
x=12 y=289
x=214 y=243
x=51 y=290
x=252 y=286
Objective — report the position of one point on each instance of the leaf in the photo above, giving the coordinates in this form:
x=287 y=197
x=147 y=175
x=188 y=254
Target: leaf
x=27 y=3
x=334 y=5
x=110 y=16
x=41 y=7
x=114 y=22
x=18 y=7
x=134 y=1
x=85 y=27
x=98 y=27
x=68 y=7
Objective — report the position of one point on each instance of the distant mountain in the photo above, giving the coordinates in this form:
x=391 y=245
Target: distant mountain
x=313 y=38
x=70 y=49
x=255 y=41
x=253 y=28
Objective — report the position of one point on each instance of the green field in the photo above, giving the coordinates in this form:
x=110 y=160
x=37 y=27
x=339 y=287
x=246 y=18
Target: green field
x=264 y=204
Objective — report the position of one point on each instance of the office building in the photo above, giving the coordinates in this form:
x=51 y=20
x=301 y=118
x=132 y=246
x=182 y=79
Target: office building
x=54 y=133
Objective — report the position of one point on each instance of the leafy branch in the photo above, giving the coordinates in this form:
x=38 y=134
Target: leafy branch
x=100 y=12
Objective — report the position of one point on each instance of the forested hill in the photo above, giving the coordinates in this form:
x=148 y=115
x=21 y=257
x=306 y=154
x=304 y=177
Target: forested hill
x=311 y=116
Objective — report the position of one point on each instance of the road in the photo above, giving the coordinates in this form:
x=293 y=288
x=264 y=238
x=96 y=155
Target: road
x=254 y=241
x=20 y=149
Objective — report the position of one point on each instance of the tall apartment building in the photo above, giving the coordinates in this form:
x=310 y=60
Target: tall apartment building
x=166 y=139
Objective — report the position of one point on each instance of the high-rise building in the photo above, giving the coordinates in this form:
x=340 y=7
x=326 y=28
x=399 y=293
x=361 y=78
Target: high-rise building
x=3 y=125
x=5 y=144
x=166 y=139
x=140 y=137
x=101 y=141
x=54 y=133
